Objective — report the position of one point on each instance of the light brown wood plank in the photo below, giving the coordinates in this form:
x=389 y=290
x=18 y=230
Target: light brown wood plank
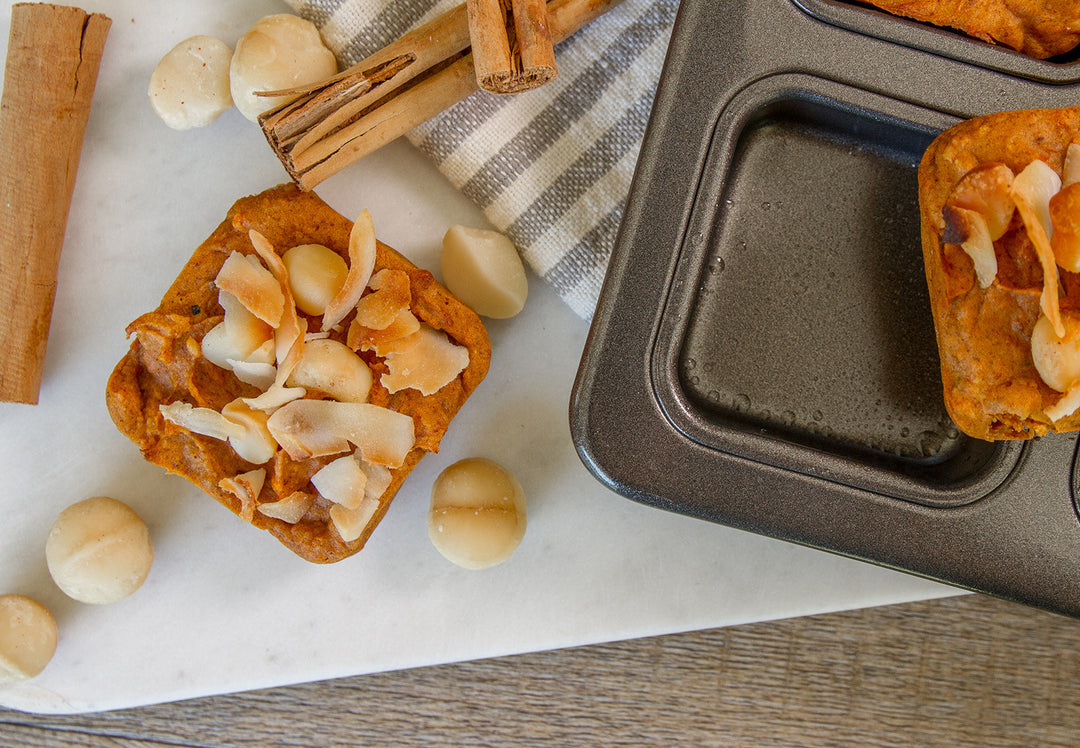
x=960 y=671
x=43 y=737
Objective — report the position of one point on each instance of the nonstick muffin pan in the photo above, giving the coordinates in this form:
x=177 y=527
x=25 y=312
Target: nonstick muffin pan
x=762 y=354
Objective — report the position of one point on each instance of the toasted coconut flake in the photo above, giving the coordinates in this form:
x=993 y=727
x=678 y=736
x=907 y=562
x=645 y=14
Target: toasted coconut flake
x=302 y=433
x=401 y=343
x=362 y=250
x=341 y=481
x=251 y=482
x=291 y=509
x=256 y=445
x=256 y=374
x=203 y=421
x=391 y=293
x=1032 y=190
x=289 y=345
x=378 y=479
x=362 y=338
x=1066 y=405
x=356 y=337
x=237 y=336
x=1070 y=173
x=310 y=428
x=244 y=430
x=269 y=255
x=253 y=285
x=430 y=363
x=245 y=487
x=351 y=523
x=968 y=229
x=332 y=367
x=264 y=354
x=987 y=190
x=1065 y=216
x=274 y=397
x=289 y=334
x=288 y=337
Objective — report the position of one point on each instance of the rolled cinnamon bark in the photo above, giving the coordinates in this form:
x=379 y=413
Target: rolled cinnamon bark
x=52 y=64
x=336 y=122
x=512 y=46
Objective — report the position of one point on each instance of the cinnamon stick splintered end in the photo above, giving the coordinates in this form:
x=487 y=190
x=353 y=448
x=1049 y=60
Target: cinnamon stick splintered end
x=505 y=82
x=512 y=45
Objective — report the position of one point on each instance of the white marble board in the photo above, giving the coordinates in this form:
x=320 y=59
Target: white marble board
x=226 y=607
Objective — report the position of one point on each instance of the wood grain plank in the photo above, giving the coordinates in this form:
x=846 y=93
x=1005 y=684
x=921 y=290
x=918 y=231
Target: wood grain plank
x=44 y=737
x=961 y=671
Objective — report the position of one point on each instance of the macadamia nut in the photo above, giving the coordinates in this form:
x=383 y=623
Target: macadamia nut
x=477 y=515
x=316 y=274
x=280 y=52
x=99 y=551
x=334 y=368
x=1057 y=359
x=27 y=638
x=190 y=86
x=484 y=270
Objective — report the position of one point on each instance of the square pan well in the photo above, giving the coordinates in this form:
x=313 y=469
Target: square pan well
x=801 y=335
x=742 y=84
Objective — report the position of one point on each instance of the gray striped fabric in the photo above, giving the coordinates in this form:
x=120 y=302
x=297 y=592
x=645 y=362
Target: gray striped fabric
x=551 y=167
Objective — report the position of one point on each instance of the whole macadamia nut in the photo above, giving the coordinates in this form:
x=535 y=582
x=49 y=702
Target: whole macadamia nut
x=99 y=551
x=27 y=638
x=316 y=274
x=484 y=270
x=477 y=515
x=280 y=52
x=190 y=86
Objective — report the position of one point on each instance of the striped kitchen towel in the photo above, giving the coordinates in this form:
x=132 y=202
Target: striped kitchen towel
x=551 y=167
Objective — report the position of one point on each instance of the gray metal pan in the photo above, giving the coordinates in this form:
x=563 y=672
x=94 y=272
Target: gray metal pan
x=762 y=354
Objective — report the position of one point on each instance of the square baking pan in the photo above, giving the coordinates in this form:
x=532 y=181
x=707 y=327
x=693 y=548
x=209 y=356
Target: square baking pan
x=762 y=354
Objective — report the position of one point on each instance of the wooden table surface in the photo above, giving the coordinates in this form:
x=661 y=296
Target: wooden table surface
x=966 y=670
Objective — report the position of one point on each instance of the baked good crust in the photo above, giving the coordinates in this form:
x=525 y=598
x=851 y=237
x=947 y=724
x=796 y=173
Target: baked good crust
x=164 y=364
x=992 y=390
x=1037 y=28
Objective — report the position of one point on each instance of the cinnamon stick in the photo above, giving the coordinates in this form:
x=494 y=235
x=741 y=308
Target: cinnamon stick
x=336 y=122
x=52 y=64
x=512 y=47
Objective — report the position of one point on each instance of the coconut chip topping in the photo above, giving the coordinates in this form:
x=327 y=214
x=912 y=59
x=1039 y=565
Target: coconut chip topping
x=246 y=487
x=362 y=251
x=291 y=509
x=1032 y=190
x=979 y=211
x=240 y=335
x=254 y=287
x=314 y=389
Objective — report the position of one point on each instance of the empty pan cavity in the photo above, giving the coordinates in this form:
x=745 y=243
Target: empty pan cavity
x=807 y=341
